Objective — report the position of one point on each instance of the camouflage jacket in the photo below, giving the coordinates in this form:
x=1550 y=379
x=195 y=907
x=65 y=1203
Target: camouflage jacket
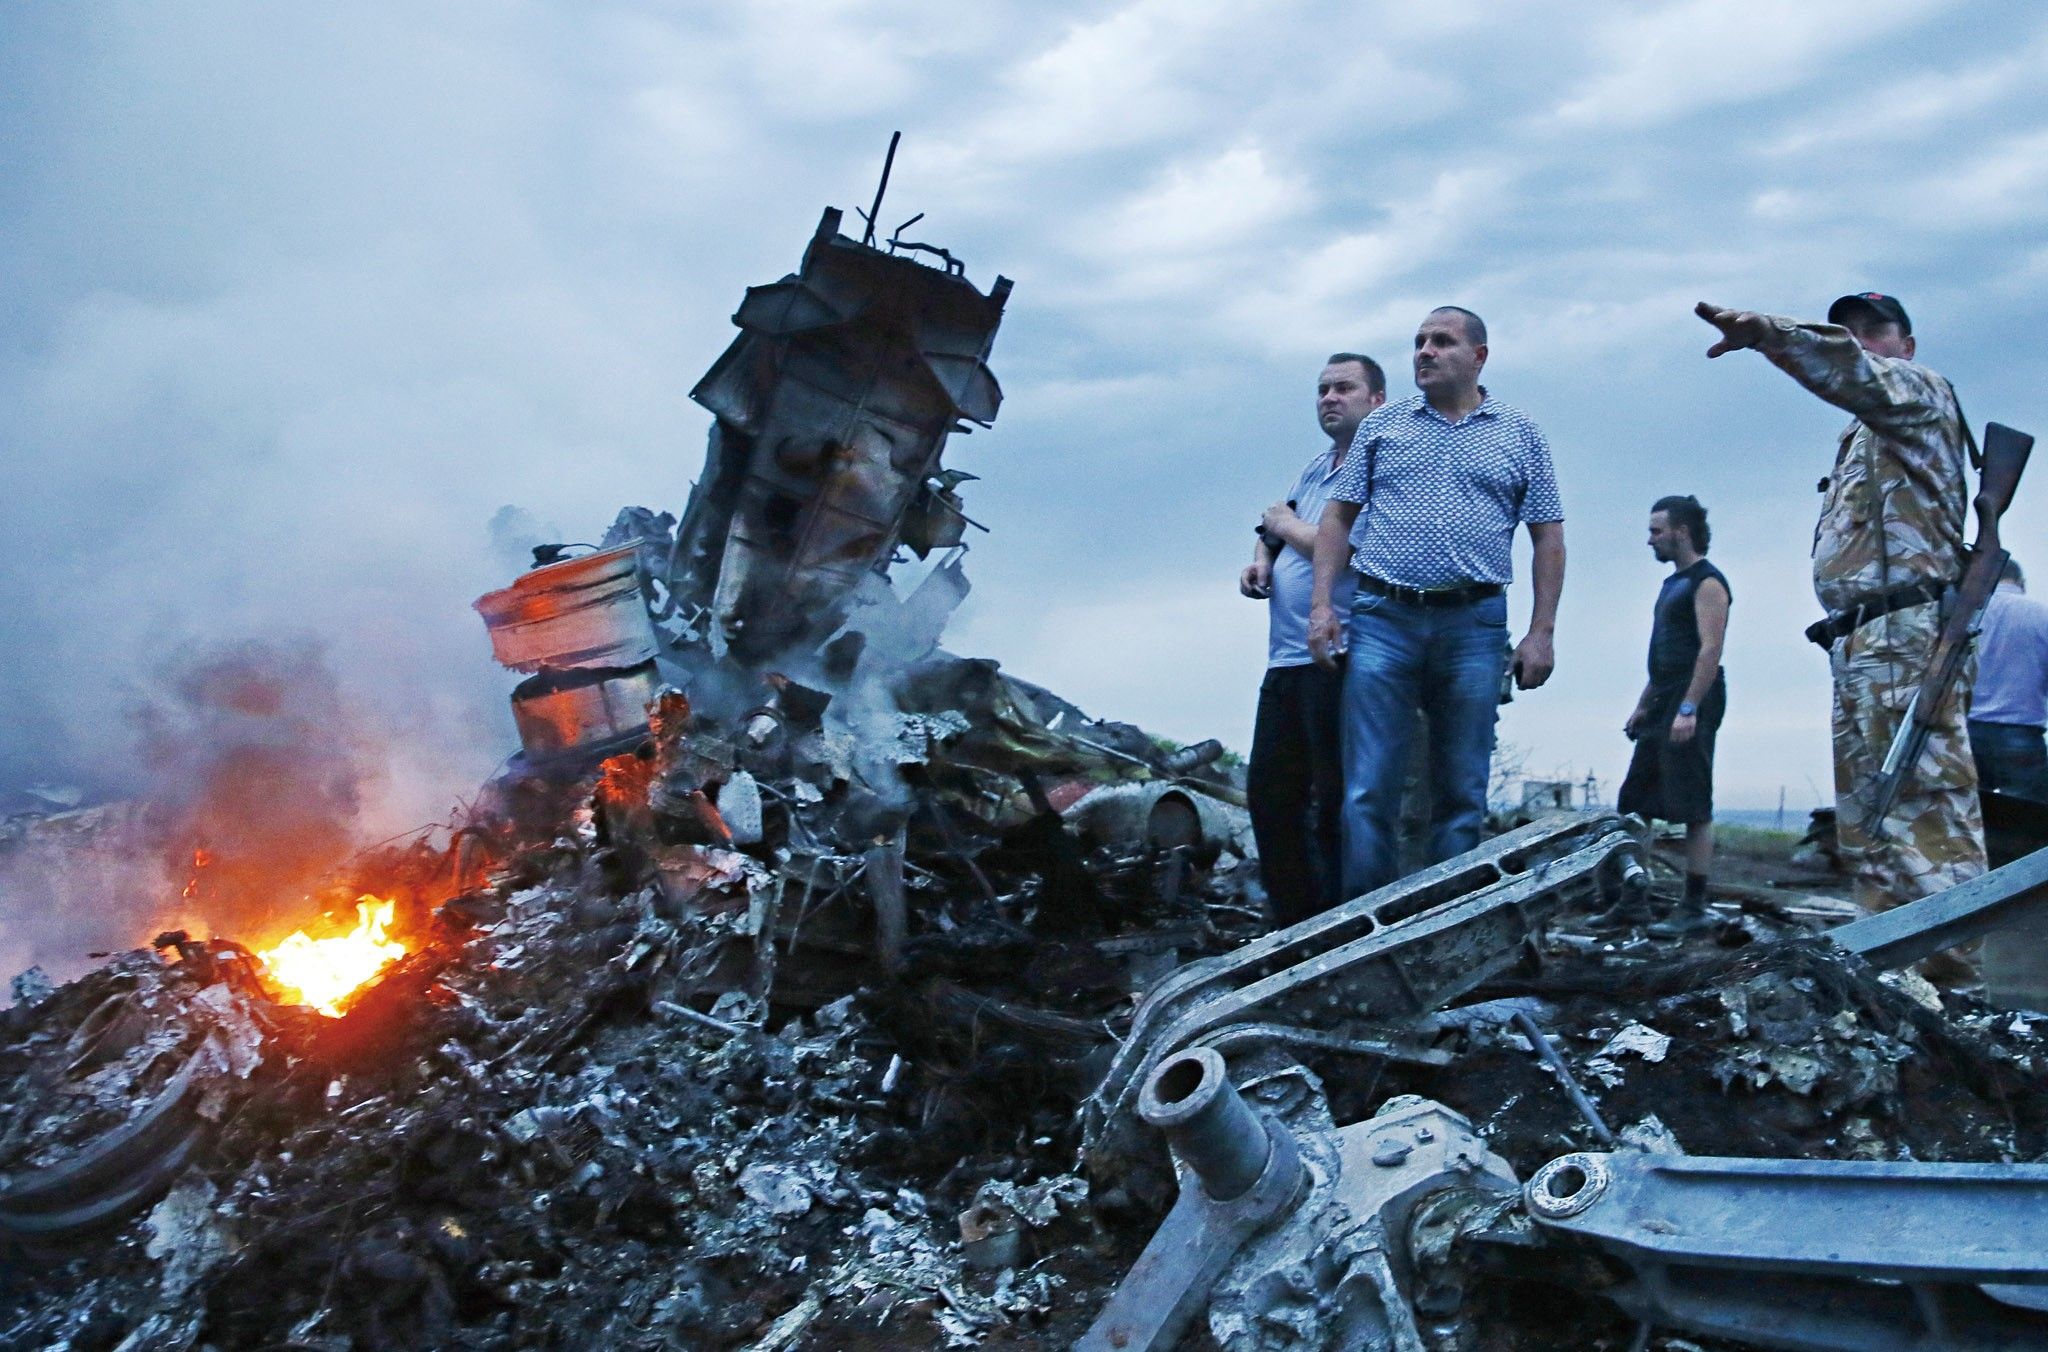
x=1893 y=510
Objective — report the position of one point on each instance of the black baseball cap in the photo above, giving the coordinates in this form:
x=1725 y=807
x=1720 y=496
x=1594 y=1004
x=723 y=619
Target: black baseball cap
x=1883 y=306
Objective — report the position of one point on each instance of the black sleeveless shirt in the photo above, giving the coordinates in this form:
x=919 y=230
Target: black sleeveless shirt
x=1675 y=633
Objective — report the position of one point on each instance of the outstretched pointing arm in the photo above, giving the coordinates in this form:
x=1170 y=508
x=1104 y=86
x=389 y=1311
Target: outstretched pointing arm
x=1827 y=359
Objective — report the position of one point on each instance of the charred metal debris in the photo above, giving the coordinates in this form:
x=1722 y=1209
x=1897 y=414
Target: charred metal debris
x=802 y=985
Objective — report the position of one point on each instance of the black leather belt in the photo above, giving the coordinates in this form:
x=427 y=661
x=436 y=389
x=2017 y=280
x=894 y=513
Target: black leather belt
x=1433 y=596
x=1825 y=633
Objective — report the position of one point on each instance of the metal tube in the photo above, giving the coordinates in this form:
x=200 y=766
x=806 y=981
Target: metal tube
x=1529 y=1030
x=1192 y=1100
x=1904 y=1222
x=689 y=1015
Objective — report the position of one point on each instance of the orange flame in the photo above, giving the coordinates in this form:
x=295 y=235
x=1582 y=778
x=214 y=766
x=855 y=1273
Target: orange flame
x=324 y=972
x=201 y=857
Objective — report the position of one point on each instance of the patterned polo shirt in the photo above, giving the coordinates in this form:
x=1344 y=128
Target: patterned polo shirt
x=1441 y=498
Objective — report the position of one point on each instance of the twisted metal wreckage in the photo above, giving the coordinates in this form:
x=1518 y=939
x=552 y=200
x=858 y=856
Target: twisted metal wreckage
x=746 y=771
x=1293 y=1231
x=770 y=605
x=752 y=687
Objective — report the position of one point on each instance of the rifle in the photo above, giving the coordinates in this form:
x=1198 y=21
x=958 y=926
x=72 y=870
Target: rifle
x=2005 y=456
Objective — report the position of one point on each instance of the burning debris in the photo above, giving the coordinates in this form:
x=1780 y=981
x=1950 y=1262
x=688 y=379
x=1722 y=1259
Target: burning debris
x=323 y=973
x=804 y=985
x=253 y=776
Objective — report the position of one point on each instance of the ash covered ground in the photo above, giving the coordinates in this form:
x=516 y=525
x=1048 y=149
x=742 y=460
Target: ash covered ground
x=564 y=1121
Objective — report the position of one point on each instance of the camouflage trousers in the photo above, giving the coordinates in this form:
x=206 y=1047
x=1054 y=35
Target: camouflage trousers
x=1934 y=836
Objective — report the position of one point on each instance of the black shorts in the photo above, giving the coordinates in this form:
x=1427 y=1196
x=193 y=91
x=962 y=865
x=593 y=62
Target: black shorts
x=1674 y=783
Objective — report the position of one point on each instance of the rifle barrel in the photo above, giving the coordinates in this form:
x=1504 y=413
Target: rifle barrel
x=2005 y=458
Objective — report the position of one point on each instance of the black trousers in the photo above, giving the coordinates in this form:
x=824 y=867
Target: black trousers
x=1294 y=787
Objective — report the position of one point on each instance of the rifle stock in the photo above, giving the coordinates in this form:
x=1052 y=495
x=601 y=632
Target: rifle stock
x=2005 y=458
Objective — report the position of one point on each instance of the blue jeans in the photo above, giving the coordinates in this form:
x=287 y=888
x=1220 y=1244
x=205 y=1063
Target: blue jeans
x=1448 y=662
x=2011 y=758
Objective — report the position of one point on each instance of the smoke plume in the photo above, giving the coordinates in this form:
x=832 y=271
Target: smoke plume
x=256 y=773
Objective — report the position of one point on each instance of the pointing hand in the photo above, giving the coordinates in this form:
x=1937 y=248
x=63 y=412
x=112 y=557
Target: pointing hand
x=1739 y=328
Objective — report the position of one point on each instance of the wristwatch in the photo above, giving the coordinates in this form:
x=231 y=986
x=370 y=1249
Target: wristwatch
x=1686 y=708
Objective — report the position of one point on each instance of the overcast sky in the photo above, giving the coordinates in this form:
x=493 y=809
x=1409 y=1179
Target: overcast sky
x=298 y=297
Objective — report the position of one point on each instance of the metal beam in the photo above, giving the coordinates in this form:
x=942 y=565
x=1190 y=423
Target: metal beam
x=1814 y=1255
x=1372 y=964
x=2005 y=896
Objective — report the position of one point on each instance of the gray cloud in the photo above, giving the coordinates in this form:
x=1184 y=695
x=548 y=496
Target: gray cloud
x=298 y=301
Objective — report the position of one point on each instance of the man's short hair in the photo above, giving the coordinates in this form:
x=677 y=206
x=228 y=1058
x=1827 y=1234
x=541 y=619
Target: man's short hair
x=1686 y=513
x=1375 y=378
x=2014 y=574
x=1475 y=327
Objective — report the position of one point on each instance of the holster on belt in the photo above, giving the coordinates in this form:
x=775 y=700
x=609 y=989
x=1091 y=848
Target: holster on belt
x=1841 y=623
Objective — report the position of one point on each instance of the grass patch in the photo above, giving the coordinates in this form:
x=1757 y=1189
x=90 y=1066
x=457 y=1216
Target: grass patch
x=1756 y=840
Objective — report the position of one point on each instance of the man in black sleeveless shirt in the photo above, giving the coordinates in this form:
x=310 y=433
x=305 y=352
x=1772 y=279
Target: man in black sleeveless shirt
x=1671 y=777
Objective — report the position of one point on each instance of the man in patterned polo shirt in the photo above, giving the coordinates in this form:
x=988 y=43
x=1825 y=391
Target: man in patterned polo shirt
x=1437 y=483
x=1887 y=553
